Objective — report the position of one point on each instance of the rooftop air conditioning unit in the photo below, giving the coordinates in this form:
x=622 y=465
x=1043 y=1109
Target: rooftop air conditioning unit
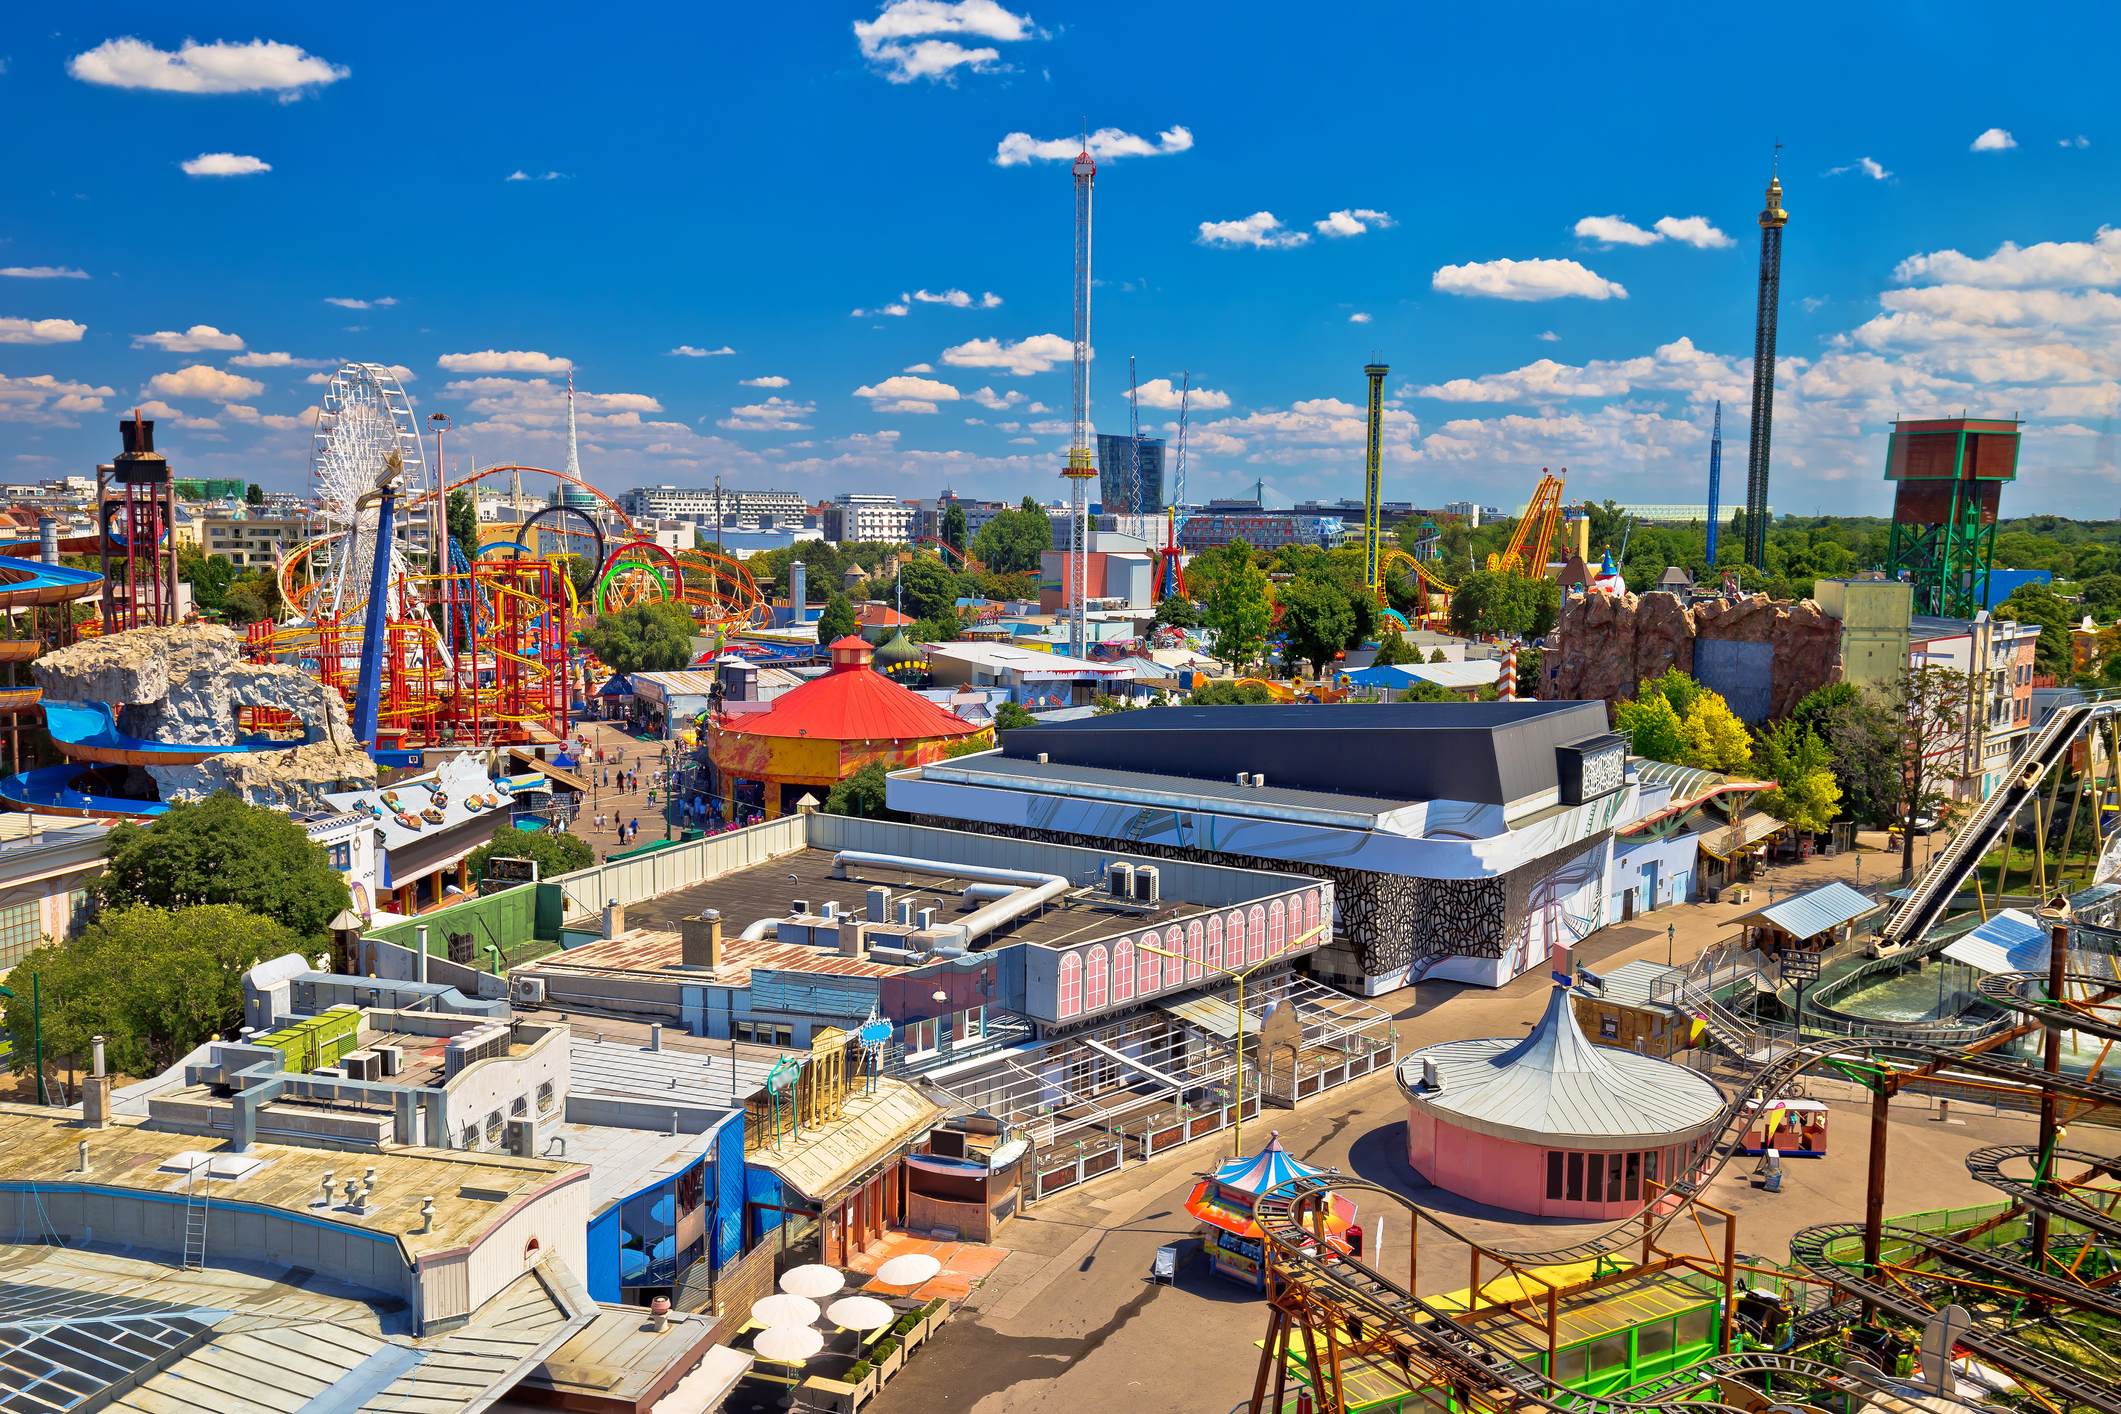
x=393 y=1058
x=521 y=1138
x=527 y=991
x=1119 y=880
x=328 y=1072
x=1146 y=884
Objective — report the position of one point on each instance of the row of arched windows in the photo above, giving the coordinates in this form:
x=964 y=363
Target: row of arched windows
x=1096 y=978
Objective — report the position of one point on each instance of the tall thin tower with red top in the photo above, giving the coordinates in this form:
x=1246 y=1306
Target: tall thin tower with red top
x=1082 y=466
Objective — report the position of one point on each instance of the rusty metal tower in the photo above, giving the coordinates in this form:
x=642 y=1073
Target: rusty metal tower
x=1772 y=219
x=1373 y=482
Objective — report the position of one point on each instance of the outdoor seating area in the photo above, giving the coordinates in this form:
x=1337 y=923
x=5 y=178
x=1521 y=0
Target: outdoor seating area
x=837 y=1337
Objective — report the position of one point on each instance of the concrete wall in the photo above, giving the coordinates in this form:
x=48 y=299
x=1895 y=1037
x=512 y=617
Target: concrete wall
x=499 y=1084
x=582 y=895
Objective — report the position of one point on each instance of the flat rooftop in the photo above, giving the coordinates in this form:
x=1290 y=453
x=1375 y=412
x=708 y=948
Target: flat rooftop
x=766 y=891
x=1492 y=753
x=472 y=1192
x=1273 y=801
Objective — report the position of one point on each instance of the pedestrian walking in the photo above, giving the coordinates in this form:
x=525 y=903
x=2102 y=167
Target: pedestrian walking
x=635 y=827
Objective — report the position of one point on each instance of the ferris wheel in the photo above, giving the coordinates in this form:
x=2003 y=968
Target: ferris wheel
x=365 y=417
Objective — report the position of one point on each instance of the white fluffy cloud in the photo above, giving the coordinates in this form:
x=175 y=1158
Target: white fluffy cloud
x=1694 y=231
x=1037 y=354
x=902 y=43
x=898 y=310
x=224 y=164
x=1994 y=140
x=773 y=415
x=1262 y=229
x=397 y=370
x=176 y=417
x=198 y=339
x=903 y=393
x=278 y=360
x=688 y=351
x=506 y=396
x=2048 y=264
x=220 y=67
x=918 y=368
x=1677 y=366
x=1311 y=430
x=1159 y=393
x=43 y=398
x=41 y=331
x=519 y=175
x=1526 y=280
x=1689 y=230
x=199 y=380
x=1874 y=170
x=1106 y=144
x=496 y=361
x=996 y=402
x=42 y=272
x=344 y=303
x=1353 y=222
x=1358 y=318
x=772 y=380
x=959 y=299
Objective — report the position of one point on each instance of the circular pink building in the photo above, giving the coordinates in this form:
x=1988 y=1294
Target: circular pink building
x=1553 y=1125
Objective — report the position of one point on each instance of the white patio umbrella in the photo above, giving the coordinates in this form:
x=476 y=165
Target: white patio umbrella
x=784 y=1311
x=787 y=1345
x=859 y=1313
x=813 y=1281
x=909 y=1270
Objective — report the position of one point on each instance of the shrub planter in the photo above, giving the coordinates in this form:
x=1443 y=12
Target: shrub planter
x=839 y=1396
x=887 y=1357
x=938 y=1315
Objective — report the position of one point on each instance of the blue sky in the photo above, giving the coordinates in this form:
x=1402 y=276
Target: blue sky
x=1545 y=224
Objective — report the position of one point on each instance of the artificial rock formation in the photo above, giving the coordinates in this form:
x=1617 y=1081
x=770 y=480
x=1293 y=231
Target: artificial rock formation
x=1607 y=644
x=183 y=685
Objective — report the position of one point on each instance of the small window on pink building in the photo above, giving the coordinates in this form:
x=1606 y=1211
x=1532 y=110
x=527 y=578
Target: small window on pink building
x=1277 y=929
x=1215 y=941
x=1258 y=946
x=1070 y=1000
x=1194 y=935
x=1123 y=970
x=1094 y=980
x=1311 y=915
x=1149 y=967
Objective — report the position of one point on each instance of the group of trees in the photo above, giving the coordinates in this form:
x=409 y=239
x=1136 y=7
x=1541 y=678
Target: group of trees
x=184 y=906
x=642 y=638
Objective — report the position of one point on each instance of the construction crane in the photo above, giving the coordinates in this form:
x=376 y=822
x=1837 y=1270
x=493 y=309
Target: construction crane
x=1535 y=528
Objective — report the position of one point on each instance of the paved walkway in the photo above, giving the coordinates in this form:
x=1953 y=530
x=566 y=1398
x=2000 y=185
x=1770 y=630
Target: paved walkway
x=1070 y=1323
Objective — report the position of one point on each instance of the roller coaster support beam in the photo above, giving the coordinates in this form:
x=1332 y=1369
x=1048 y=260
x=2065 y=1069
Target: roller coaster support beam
x=1874 y=1184
x=368 y=691
x=2057 y=962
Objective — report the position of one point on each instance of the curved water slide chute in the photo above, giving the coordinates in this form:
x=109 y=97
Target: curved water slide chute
x=54 y=790
x=86 y=731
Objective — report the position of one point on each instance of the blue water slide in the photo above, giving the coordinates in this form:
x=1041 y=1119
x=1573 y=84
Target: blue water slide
x=86 y=731
x=54 y=790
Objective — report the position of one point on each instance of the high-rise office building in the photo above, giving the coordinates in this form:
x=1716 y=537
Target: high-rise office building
x=1113 y=473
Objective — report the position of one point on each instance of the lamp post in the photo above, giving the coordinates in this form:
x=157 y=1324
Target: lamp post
x=1238 y=1137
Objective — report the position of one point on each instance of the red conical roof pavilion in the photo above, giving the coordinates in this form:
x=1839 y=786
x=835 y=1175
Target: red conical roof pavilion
x=853 y=702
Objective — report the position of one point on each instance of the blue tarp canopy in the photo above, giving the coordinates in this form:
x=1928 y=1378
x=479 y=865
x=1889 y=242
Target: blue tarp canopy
x=617 y=686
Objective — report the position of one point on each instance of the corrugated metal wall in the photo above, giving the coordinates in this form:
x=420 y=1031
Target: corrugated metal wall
x=729 y=1192
x=1211 y=885
x=507 y=918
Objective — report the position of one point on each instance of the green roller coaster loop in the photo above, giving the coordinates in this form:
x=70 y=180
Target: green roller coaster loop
x=616 y=565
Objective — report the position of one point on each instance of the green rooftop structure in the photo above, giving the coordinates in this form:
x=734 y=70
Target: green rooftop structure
x=1949 y=475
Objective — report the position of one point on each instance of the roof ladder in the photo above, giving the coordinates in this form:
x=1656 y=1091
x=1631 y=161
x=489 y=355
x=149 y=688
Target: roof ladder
x=197 y=1205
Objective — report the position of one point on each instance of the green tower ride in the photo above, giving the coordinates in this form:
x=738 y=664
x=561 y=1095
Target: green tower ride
x=1949 y=474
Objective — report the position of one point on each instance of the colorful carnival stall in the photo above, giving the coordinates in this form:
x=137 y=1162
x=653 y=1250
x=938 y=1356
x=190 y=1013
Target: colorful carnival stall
x=1223 y=1202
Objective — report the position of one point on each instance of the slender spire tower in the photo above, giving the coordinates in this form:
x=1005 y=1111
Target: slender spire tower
x=1082 y=465
x=574 y=458
x=1772 y=220
x=1373 y=482
x=1715 y=482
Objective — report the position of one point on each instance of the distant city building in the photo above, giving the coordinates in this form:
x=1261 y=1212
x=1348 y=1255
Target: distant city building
x=1474 y=512
x=1353 y=512
x=1226 y=505
x=928 y=521
x=1112 y=472
x=1660 y=514
x=247 y=540
x=856 y=515
x=1262 y=530
x=699 y=505
x=189 y=488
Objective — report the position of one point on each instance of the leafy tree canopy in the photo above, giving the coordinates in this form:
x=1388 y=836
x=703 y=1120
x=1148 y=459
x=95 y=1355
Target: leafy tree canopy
x=927 y=588
x=1503 y=604
x=1317 y=619
x=1011 y=541
x=556 y=852
x=464 y=520
x=2038 y=604
x=1652 y=728
x=222 y=851
x=1806 y=795
x=1011 y=715
x=954 y=527
x=153 y=982
x=1226 y=692
x=1178 y=611
x=254 y=495
x=642 y=638
x=1716 y=739
x=861 y=794
x=1238 y=609
x=837 y=621
x=1393 y=649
